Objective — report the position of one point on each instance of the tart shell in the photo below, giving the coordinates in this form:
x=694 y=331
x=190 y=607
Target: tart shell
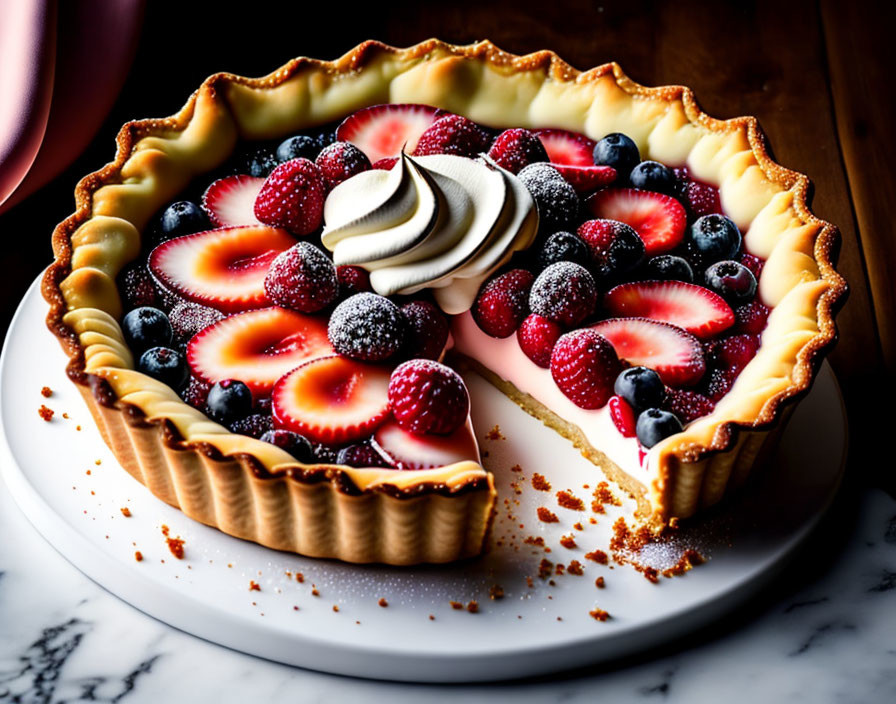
x=258 y=492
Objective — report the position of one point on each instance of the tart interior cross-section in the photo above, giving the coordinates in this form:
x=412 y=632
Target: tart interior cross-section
x=279 y=357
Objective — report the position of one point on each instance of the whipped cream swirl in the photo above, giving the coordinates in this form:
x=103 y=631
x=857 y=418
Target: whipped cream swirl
x=442 y=222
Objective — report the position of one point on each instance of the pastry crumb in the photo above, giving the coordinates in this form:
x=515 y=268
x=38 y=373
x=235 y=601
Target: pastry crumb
x=547 y=515
x=45 y=413
x=568 y=541
x=138 y=556
x=456 y=605
x=600 y=583
x=46 y=392
x=495 y=433
x=575 y=567
x=567 y=500
x=473 y=606
x=599 y=614
x=382 y=602
x=540 y=483
x=254 y=586
x=125 y=511
x=495 y=592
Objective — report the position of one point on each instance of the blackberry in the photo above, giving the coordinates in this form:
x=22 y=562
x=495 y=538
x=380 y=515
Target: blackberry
x=427 y=330
x=557 y=201
x=563 y=247
x=360 y=455
x=367 y=327
x=138 y=287
x=254 y=425
x=668 y=267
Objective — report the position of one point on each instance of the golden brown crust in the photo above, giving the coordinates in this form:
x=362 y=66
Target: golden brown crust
x=156 y=159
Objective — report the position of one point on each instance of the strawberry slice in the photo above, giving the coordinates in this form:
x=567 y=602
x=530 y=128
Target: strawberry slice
x=405 y=450
x=332 y=399
x=658 y=219
x=564 y=147
x=257 y=347
x=673 y=353
x=223 y=268
x=586 y=178
x=230 y=201
x=698 y=310
x=382 y=131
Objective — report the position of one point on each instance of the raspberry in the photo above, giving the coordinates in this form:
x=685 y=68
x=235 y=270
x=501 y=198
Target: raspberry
x=751 y=317
x=352 y=280
x=452 y=134
x=292 y=197
x=753 y=263
x=503 y=303
x=701 y=199
x=187 y=319
x=367 y=327
x=254 y=425
x=584 y=366
x=302 y=278
x=556 y=200
x=427 y=330
x=385 y=164
x=537 y=337
x=428 y=397
x=688 y=405
x=623 y=416
x=564 y=293
x=341 y=160
x=735 y=352
x=517 y=148
x=615 y=247
x=361 y=455
x=195 y=393
x=138 y=287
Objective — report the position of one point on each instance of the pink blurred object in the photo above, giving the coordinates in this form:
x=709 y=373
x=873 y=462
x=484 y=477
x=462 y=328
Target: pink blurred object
x=62 y=66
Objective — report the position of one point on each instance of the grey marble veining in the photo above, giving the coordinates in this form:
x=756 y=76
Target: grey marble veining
x=827 y=635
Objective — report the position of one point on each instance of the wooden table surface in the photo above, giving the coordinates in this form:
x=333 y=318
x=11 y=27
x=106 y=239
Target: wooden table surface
x=815 y=74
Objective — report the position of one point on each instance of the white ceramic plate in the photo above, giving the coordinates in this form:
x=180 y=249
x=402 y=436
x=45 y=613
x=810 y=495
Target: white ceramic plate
x=69 y=485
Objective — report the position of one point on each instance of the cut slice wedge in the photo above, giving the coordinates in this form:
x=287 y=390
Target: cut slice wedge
x=257 y=347
x=332 y=399
x=222 y=268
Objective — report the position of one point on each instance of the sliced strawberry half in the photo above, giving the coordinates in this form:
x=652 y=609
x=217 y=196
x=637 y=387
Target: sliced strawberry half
x=222 y=268
x=698 y=310
x=673 y=353
x=257 y=347
x=565 y=147
x=381 y=131
x=230 y=201
x=332 y=399
x=586 y=178
x=658 y=219
x=405 y=450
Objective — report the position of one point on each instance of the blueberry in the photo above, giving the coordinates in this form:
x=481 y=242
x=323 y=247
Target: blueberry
x=653 y=176
x=654 y=425
x=619 y=151
x=166 y=365
x=146 y=327
x=668 y=267
x=228 y=401
x=732 y=281
x=300 y=146
x=563 y=247
x=367 y=327
x=296 y=445
x=181 y=218
x=641 y=387
x=712 y=238
x=260 y=162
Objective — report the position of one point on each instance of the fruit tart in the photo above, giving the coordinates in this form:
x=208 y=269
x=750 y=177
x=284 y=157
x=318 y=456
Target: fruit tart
x=265 y=297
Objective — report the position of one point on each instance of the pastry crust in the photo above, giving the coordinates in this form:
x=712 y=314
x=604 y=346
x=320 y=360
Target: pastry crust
x=257 y=491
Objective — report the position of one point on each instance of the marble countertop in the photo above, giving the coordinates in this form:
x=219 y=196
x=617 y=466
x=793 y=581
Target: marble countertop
x=823 y=631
